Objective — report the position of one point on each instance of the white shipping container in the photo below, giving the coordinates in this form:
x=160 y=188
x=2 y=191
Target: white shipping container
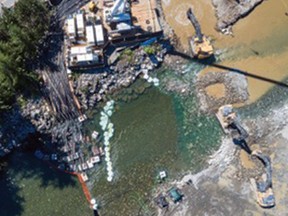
x=99 y=35
x=71 y=28
x=80 y=21
x=87 y=57
x=90 y=35
x=76 y=50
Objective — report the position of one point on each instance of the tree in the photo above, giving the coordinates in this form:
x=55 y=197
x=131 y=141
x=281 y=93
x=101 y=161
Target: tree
x=21 y=30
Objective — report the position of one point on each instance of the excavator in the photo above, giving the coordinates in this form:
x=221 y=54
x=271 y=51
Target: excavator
x=226 y=116
x=229 y=121
x=200 y=44
x=263 y=188
x=92 y=6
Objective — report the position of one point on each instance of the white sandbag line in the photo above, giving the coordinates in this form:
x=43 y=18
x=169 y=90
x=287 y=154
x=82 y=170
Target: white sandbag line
x=108 y=129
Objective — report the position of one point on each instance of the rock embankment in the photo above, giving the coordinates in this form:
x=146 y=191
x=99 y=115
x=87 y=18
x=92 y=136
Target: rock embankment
x=229 y=12
x=38 y=112
x=95 y=87
x=19 y=123
x=235 y=90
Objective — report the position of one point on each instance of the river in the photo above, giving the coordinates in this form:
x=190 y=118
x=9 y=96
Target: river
x=259 y=45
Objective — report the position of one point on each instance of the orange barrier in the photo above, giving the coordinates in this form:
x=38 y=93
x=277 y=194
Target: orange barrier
x=83 y=184
x=84 y=188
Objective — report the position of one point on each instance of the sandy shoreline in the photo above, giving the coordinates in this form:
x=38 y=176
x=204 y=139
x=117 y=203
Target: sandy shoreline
x=218 y=162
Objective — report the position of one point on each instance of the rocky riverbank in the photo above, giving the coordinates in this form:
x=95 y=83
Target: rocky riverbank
x=89 y=88
x=19 y=123
x=216 y=89
x=14 y=129
x=229 y=12
x=92 y=88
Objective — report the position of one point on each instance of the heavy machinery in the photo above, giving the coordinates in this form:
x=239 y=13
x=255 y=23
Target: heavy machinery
x=119 y=13
x=263 y=188
x=200 y=44
x=226 y=117
x=92 y=6
x=229 y=121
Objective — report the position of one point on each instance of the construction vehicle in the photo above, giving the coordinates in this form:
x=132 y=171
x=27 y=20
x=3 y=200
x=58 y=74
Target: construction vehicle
x=263 y=188
x=226 y=117
x=229 y=121
x=93 y=6
x=200 y=44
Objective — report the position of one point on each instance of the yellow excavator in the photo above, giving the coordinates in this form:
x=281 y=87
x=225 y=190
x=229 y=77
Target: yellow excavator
x=201 y=46
x=229 y=121
x=263 y=188
x=92 y=6
x=226 y=116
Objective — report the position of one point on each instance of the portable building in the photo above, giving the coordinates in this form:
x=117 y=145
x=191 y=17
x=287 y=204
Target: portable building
x=90 y=34
x=80 y=24
x=99 y=34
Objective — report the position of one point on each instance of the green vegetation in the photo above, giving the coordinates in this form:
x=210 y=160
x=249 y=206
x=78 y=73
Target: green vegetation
x=127 y=54
x=150 y=50
x=21 y=29
x=21 y=101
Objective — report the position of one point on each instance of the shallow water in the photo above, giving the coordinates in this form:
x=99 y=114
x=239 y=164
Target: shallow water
x=30 y=187
x=144 y=143
x=154 y=132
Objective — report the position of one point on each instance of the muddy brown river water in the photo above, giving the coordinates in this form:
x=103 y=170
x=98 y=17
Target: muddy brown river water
x=259 y=44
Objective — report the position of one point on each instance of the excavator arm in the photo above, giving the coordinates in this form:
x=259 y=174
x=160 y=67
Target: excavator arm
x=264 y=185
x=195 y=24
x=265 y=195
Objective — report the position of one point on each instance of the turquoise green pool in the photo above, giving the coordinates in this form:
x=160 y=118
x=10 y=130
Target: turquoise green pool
x=154 y=131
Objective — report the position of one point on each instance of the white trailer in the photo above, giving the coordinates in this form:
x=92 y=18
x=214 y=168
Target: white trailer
x=80 y=24
x=71 y=28
x=90 y=35
x=99 y=34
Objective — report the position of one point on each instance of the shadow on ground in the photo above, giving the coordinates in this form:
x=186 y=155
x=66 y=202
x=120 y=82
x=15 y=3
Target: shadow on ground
x=26 y=166
x=211 y=62
x=11 y=203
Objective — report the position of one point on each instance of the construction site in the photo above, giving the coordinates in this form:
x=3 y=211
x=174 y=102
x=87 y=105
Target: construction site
x=107 y=24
